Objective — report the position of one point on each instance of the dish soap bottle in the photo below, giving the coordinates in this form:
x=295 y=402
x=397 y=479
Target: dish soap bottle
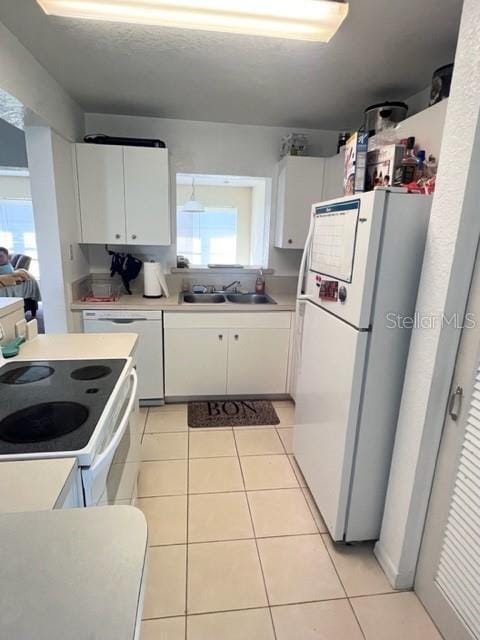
x=260 y=283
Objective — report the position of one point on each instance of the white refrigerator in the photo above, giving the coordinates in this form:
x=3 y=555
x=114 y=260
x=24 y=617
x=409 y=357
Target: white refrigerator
x=355 y=306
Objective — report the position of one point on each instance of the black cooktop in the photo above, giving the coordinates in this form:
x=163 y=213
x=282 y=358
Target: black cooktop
x=53 y=405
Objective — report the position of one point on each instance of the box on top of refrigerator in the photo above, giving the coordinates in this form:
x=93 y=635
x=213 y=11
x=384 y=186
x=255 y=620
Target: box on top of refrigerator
x=355 y=163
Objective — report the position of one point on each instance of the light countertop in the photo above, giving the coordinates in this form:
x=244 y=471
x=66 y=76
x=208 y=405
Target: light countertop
x=60 y=346
x=73 y=573
x=136 y=302
x=34 y=485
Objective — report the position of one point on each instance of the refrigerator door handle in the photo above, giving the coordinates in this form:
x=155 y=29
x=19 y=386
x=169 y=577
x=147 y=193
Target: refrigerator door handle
x=303 y=263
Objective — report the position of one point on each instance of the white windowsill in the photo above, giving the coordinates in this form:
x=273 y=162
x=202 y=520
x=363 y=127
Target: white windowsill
x=246 y=270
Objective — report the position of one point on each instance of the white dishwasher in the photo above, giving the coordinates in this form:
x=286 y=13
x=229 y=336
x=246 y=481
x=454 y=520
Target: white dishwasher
x=149 y=355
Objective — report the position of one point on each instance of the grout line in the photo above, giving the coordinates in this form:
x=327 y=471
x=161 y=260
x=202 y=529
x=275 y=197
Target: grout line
x=273 y=606
x=256 y=543
x=205 y=493
x=343 y=586
x=187 y=547
x=254 y=537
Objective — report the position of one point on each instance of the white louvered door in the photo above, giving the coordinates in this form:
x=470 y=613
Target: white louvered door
x=448 y=576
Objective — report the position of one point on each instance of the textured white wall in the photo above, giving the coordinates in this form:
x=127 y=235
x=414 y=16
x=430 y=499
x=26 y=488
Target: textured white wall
x=25 y=79
x=53 y=194
x=452 y=242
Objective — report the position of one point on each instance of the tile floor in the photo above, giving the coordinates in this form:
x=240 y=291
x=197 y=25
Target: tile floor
x=238 y=550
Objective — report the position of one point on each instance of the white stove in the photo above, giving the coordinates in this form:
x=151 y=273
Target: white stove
x=75 y=408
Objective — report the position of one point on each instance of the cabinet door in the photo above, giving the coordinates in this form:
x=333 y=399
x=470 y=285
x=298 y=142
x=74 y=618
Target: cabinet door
x=257 y=361
x=195 y=362
x=101 y=193
x=300 y=185
x=147 y=199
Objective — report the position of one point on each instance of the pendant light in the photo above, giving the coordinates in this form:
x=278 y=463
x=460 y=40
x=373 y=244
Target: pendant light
x=193 y=206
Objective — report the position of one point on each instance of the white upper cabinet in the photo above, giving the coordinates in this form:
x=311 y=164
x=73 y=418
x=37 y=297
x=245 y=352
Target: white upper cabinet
x=147 y=201
x=123 y=194
x=300 y=184
x=101 y=196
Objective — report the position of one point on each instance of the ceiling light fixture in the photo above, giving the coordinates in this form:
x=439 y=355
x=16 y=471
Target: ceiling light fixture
x=193 y=206
x=314 y=20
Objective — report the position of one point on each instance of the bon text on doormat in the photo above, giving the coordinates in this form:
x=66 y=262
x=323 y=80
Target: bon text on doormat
x=231 y=413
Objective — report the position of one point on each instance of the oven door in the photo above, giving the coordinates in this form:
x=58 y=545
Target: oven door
x=102 y=480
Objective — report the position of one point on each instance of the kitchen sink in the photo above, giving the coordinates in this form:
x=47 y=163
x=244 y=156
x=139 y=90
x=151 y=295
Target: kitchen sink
x=250 y=298
x=202 y=298
x=222 y=298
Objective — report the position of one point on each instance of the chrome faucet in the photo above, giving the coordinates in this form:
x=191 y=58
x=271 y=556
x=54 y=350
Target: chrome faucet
x=232 y=284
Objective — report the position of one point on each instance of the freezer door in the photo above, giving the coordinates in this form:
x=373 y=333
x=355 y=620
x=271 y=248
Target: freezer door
x=328 y=394
x=345 y=243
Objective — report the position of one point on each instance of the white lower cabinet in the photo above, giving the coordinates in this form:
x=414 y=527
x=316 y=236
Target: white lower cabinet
x=195 y=361
x=212 y=354
x=257 y=361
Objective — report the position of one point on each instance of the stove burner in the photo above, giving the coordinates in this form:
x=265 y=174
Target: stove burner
x=93 y=372
x=43 y=422
x=26 y=374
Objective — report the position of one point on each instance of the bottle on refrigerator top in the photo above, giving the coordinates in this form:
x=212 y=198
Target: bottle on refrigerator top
x=260 y=283
x=409 y=162
x=421 y=167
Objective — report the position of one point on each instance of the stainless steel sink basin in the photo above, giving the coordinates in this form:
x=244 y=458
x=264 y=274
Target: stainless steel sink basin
x=250 y=298
x=202 y=298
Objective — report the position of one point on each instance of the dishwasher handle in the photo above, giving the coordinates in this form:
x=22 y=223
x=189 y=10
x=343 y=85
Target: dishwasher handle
x=122 y=320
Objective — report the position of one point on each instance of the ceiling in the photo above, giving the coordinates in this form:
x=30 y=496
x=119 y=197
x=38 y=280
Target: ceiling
x=384 y=50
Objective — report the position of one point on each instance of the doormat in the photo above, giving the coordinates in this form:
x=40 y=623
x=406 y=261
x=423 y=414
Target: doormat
x=231 y=413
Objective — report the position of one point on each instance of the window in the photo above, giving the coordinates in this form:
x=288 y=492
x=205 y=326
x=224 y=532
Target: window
x=17 y=230
x=231 y=226
x=209 y=237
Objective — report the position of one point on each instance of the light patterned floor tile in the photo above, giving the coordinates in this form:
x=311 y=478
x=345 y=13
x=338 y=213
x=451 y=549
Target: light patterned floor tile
x=256 y=442
x=167 y=478
x=253 y=624
x=163 y=420
x=317 y=516
x=299 y=475
x=223 y=576
x=283 y=404
x=212 y=444
x=298 y=569
x=166 y=580
x=395 y=616
x=165 y=446
x=359 y=571
x=218 y=516
x=163 y=629
x=268 y=472
x=331 y=620
x=166 y=519
x=286 y=436
x=286 y=416
x=280 y=512
x=211 y=475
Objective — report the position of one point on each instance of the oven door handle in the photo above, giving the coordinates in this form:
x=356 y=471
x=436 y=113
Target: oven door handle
x=119 y=433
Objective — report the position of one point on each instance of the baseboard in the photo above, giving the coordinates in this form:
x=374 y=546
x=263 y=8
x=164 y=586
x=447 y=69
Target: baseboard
x=397 y=579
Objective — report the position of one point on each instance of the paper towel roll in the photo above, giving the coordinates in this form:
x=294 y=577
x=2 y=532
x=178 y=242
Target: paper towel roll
x=154 y=284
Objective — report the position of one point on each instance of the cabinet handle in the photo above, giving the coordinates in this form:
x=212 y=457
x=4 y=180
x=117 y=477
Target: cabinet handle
x=290 y=241
x=220 y=336
x=118 y=236
x=236 y=336
x=134 y=237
